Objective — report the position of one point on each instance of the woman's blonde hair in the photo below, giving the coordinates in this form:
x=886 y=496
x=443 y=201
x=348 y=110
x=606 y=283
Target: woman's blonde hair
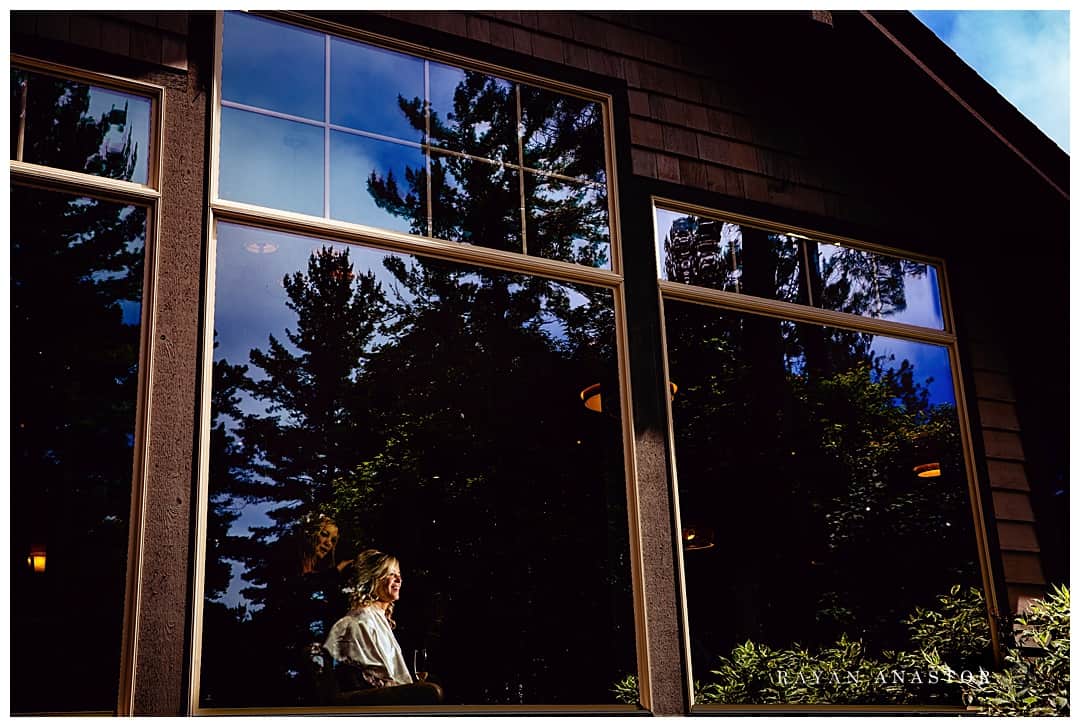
x=307 y=537
x=368 y=569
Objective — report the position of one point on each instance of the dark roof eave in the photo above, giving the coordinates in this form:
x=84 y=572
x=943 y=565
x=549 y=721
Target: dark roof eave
x=977 y=96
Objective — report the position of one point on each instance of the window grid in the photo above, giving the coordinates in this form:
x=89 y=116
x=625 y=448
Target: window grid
x=429 y=150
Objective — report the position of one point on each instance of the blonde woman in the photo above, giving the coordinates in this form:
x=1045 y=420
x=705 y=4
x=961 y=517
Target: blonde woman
x=317 y=539
x=367 y=657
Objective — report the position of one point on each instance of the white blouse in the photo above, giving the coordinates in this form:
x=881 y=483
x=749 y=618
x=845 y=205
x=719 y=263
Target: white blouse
x=363 y=638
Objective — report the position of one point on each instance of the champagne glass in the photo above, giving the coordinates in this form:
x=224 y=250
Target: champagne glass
x=420 y=664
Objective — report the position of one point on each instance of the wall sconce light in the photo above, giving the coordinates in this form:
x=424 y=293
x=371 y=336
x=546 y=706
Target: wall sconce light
x=930 y=469
x=36 y=559
x=927 y=455
x=591 y=395
x=697 y=538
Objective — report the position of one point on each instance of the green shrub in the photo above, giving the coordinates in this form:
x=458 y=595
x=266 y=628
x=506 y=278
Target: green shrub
x=950 y=643
x=846 y=672
x=1035 y=685
x=626 y=691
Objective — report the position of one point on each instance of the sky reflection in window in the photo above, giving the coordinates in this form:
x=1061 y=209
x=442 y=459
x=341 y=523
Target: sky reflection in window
x=367 y=86
x=377 y=97
x=271 y=162
x=273 y=66
x=353 y=159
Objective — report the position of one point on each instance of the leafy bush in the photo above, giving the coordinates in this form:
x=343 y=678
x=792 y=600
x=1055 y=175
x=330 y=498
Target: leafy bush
x=1029 y=685
x=957 y=630
x=943 y=667
x=846 y=672
x=626 y=690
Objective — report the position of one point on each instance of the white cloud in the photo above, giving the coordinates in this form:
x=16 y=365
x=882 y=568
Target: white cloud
x=1025 y=56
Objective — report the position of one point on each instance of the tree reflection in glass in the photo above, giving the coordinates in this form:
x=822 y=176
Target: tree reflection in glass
x=568 y=221
x=471 y=112
x=475 y=202
x=726 y=256
x=878 y=286
x=79 y=127
x=355 y=160
x=414 y=145
x=797 y=445
x=76 y=300
x=432 y=410
x=739 y=258
x=562 y=134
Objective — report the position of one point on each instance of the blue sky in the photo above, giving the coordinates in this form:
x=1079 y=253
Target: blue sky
x=1023 y=54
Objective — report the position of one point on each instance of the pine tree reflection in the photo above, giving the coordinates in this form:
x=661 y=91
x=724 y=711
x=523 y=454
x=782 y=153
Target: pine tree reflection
x=744 y=259
x=431 y=409
x=436 y=416
x=76 y=294
x=804 y=468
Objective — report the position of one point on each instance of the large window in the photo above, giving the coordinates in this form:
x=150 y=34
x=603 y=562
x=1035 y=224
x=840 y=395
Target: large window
x=81 y=225
x=825 y=502
x=369 y=390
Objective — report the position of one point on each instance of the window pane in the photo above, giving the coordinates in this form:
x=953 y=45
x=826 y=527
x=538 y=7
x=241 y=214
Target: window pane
x=726 y=256
x=271 y=162
x=567 y=221
x=365 y=399
x=376 y=90
x=878 y=286
x=476 y=202
x=562 y=134
x=377 y=183
x=76 y=292
x=822 y=478
x=473 y=113
x=81 y=128
x=273 y=66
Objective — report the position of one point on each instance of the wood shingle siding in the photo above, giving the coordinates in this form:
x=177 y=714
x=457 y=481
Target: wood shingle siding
x=159 y=39
x=1018 y=540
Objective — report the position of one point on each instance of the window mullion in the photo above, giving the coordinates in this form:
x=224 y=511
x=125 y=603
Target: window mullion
x=326 y=133
x=521 y=165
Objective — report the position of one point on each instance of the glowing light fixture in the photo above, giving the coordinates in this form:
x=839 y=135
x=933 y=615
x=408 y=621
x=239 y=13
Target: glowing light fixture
x=261 y=248
x=696 y=538
x=926 y=455
x=591 y=395
x=930 y=469
x=36 y=559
